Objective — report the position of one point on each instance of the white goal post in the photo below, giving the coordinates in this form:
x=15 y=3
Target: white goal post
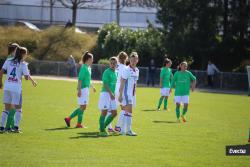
x=248 y=74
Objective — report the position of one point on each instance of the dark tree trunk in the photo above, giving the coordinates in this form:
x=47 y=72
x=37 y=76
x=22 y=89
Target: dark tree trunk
x=74 y=13
x=225 y=19
x=118 y=12
x=51 y=12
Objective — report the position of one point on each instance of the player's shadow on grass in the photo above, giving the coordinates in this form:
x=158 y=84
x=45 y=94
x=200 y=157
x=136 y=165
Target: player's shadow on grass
x=167 y=122
x=61 y=128
x=90 y=135
x=86 y=135
x=147 y=110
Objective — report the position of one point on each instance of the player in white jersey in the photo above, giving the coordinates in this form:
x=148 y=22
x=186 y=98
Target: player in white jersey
x=122 y=58
x=11 y=53
x=12 y=96
x=127 y=92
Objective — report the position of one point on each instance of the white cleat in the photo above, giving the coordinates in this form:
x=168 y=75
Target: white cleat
x=131 y=133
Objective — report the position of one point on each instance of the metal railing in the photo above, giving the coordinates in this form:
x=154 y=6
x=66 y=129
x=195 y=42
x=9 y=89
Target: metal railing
x=222 y=80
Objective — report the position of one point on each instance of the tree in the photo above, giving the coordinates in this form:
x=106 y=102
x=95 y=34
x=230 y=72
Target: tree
x=51 y=5
x=77 y=4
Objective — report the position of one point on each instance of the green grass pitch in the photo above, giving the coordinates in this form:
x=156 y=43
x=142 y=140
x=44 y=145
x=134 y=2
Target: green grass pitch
x=214 y=121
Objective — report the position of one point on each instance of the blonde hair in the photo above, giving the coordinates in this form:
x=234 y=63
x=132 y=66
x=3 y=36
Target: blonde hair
x=184 y=62
x=134 y=54
x=113 y=58
x=122 y=56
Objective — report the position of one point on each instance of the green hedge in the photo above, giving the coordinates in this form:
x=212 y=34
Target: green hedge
x=54 y=43
x=148 y=43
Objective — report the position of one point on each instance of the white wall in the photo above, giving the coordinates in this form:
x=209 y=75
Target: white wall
x=32 y=10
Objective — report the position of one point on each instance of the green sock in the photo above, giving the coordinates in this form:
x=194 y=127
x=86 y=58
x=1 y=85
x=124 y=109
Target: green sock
x=184 y=111
x=160 y=101
x=177 y=112
x=101 y=123
x=10 y=119
x=165 y=103
x=74 y=113
x=108 y=120
x=80 y=116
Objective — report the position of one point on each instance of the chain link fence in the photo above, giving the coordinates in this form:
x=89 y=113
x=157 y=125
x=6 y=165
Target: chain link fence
x=222 y=80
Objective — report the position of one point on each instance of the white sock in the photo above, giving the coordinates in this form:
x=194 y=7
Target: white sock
x=109 y=125
x=128 y=121
x=120 y=119
x=124 y=123
x=4 y=118
x=18 y=117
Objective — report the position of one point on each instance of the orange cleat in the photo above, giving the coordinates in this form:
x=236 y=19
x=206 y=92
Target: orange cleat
x=78 y=125
x=67 y=121
x=183 y=118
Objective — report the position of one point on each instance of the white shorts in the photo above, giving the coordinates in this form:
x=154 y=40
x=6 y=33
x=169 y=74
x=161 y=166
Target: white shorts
x=84 y=99
x=165 y=91
x=10 y=97
x=126 y=100
x=106 y=103
x=181 y=99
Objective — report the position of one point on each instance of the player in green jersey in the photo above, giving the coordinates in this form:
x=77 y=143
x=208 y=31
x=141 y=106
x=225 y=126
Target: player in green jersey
x=84 y=82
x=107 y=97
x=182 y=82
x=165 y=82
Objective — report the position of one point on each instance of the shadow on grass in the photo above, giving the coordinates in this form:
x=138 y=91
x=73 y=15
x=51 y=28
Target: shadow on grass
x=89 y=135
x=61 y=128
x=147 y=110
x=86 y=135
x=167 y=122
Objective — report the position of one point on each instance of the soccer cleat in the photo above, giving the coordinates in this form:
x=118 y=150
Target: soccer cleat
x=158 y=109
x=111 y=130
x=131 y=133
x=78 y=125
x=183 y=118
x=2 y=130
x=17 y=130
x=9 y=130
x=103 y=134
x=67 y=121
x=117 y=129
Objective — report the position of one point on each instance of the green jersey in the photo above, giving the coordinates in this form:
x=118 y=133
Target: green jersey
x=10 y=57
x=182 y=81
x=85 y=76
x=109 y=78
x=166 y=76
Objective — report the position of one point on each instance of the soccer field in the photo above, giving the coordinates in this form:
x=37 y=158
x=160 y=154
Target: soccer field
x=214 y=121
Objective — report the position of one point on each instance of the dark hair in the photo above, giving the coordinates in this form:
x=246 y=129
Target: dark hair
x=12 y=47
x=122 y=56
x=20 y=52
x=166 y=61
x=86 y=56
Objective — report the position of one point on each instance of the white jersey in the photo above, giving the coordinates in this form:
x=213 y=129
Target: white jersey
x=131 y=75
x=15 y=71
x=120 y=68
